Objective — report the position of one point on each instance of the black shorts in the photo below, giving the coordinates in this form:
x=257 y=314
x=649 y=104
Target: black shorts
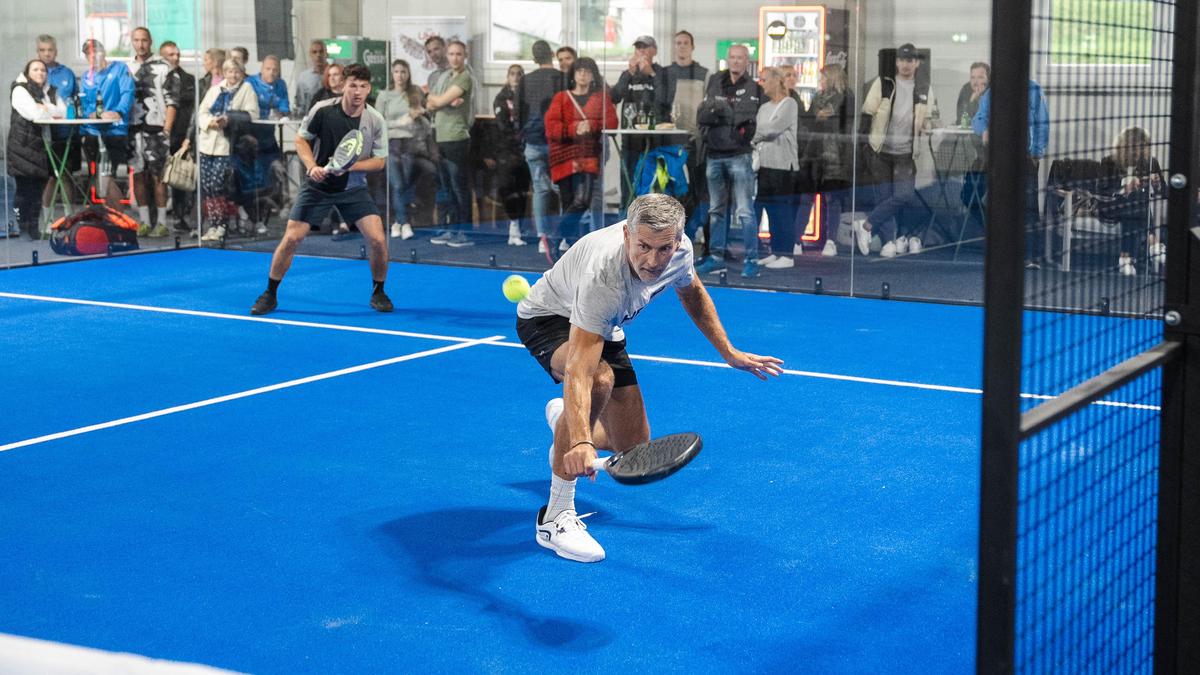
x=148 y=151
x=313 y=205
x=117 y=148
x=543 y=335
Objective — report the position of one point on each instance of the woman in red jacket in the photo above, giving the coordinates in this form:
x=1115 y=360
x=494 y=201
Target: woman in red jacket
x=573 y=125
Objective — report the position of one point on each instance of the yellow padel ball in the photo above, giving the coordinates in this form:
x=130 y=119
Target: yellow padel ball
x=516 y=288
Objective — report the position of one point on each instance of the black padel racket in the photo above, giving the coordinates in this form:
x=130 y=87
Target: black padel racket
x=651 y=461
x=346 y=153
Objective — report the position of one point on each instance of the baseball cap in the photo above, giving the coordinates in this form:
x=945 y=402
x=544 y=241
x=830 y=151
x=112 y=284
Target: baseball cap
x=907 y=51
x=645 y=41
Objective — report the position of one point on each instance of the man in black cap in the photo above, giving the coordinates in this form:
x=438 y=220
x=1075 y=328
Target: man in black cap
x=896 y=114
x=634 y=92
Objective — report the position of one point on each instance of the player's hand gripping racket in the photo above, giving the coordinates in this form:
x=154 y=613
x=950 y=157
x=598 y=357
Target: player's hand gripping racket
x=651 y=461
x=346 y=153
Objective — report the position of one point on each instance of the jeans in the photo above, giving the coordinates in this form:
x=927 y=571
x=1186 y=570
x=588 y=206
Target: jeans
x=777 y=196
x=577 y=191
x=731 y=178
x=453 y=174
x=407 y=163
x=538 y=159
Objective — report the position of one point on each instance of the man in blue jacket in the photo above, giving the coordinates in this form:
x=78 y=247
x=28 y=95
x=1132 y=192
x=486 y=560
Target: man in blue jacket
x=63 y=79
x=106 y=92
x=1039 y=137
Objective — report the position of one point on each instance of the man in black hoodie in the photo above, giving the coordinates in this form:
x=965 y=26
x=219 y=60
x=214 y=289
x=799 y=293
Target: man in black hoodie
x=534 y=94
x=728 y=120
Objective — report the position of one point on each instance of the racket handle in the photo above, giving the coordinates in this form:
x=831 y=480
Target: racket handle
x=600 y=464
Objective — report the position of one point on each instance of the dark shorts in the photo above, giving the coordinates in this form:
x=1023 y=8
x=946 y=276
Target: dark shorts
x=312 y=205
x=117 y=148
x=148 y=151
x=543 y=335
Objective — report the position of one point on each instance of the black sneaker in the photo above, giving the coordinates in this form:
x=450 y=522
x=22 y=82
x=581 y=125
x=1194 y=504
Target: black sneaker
x=264 y=304
x=380 y=302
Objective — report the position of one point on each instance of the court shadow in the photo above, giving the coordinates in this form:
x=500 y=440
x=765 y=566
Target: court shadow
x=463 y=561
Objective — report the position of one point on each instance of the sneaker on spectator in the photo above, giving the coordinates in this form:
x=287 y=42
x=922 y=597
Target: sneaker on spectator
x=915 y=246
x=514 y=234
x=710 y=265
x=1032 y=265
x=862 y=236
x=797 y=249
x=260 y=229
x=395 y=231
x=1158 y=255
x=541 y=245
x=443 y=238
x=830 y=249
x=143 y=230
x=159 y=230
x=766 y=262
x=750 y=270
x=214 y=234
x=563 y=246
x=779 y=263
x=1125 y=266
x=459 y=241
x=406 y=231
x=888 y=250
x=901 y=245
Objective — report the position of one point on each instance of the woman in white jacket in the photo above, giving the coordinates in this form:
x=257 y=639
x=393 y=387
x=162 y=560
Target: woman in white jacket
x=212 y=120
x=33 y=98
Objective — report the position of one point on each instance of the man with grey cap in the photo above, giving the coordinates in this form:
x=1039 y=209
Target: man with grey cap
x=896 y=114
x=634 y=92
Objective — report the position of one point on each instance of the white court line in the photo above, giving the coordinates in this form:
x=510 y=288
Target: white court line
x=451 y=338
x=248 y=393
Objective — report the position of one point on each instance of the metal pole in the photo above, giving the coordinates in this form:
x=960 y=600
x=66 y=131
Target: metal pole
x=1004 y=290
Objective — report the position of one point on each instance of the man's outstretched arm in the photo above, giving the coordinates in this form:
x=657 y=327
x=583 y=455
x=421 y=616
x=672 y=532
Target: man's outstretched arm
x=700 y=307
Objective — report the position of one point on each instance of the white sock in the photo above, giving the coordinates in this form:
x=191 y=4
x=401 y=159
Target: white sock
x=562 y=497
x=162 y=215
x=144 y=215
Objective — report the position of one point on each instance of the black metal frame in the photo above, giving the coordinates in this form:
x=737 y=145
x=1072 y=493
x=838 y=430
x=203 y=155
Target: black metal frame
x=1177 y=575
x=1003 y=293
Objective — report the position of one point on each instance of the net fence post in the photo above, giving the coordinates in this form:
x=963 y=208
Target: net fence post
x=1177 y=569
x=1003 y=302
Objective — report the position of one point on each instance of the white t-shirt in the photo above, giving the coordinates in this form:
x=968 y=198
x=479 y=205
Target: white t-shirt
x=593 y=286
x=899 y=139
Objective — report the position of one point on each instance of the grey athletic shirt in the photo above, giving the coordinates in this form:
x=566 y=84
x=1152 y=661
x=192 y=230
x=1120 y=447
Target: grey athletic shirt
x=593 y=286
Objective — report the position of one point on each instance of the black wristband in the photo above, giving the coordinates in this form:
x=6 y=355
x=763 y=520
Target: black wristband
x=575 y=445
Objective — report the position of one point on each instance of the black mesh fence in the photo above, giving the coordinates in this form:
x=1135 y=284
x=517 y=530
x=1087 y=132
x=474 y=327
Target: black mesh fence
x=1100 y=108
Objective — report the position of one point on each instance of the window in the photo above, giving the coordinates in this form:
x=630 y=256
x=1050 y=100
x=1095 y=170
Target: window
x=607 y=28
x=173 y=20
x=108 y=21
x=517 y=24
x=1102 y=33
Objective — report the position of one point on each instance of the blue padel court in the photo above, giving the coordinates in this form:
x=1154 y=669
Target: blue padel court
x=328 y=489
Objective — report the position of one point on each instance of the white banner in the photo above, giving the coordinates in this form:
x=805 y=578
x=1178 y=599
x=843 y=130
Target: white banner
x=408 y=40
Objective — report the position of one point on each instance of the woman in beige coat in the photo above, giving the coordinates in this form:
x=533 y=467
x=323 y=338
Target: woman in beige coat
x=212 y=123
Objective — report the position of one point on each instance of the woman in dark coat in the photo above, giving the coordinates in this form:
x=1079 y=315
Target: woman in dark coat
x=1131 y=180
x=829 y=153
x=32 y=98
x=503 y=155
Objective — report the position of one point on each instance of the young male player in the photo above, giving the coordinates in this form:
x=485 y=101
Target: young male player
x=571 y=323
x=324 y=127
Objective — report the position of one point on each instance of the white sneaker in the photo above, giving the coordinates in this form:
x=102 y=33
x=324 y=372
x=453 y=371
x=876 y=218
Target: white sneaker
x=1158 y=255
x=901 y=245
x=830 y=249
x=514 y=234
x=1125 y=266
x=395 y=230
x=541 y=246
x=214 y=234
x=862 y=236
x=406 y=231
x=261 y=228
x=888 y=250
x=797 y=249
x=567 y=536
x=766 y=262
x=780 y=263
x=914 y=245
x=563 y=246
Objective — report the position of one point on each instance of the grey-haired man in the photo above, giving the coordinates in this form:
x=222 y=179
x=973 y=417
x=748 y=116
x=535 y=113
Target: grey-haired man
x=571 y=322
